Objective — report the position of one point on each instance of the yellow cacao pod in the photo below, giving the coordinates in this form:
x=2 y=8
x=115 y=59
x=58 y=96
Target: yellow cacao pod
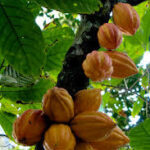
x=114 y=141
x=126 y=18
x=123 y=66
x=87 y=100
x=83 y=146
x=29 y=127
x=109 y=36
x=92 y=126
x=59 y=137
x=97 y=66
x=58 y=105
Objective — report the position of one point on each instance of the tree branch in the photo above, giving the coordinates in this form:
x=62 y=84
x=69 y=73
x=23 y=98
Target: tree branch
x=3 y=135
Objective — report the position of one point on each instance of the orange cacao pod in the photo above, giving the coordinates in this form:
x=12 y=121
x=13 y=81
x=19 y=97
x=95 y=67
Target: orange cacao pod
x=59 y=137
x=114 y=141
x=92 y=126
x=29 y=127
x=83 y=146
x=109 y=36
x=87 y=100
x=126 y=18
x=58 y=105
x=123 y=66
x=97 y=66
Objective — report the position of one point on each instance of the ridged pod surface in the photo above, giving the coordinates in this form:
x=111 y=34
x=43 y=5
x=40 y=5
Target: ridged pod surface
x=83 y=146
x=87 y=100
x=58 y=105
x=29 y=127
x=109 y=36
x=122 y=64
x=126 y=18
x=97 y=66
x=92 y=126
x=59 y=137
x=114 y=141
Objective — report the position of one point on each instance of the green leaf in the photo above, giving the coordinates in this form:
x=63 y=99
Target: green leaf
x=27 y=94
x=145 y=28
x=141 y=8
x=113 y=82
x=111 y=102
x=6 y=121
x=137 y=107
x=72 y=6
x=145 y=81
x=140 y=136
x=12 y=78
x=133 y=47
x=21 y=40
x=58 y=41
x=14 y=108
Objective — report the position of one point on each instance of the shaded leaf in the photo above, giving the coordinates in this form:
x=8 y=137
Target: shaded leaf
x=28 y=94
x=73 y=6
x=140 y=136
x=6 y=121
x=15 y=108
x=58 y=42
x=21 y=41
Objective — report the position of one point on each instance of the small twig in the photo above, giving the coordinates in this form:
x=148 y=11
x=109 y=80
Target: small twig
x=141 y=97
x=137 y=80
x=3 y=135
x=125 y=83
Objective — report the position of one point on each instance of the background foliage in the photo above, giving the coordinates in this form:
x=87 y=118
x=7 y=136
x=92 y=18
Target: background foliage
x=31 y=58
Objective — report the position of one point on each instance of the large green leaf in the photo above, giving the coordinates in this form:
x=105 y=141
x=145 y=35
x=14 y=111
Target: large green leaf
x=21 y=41
x=27 y=94
x=6 y=121
x=58 y=41
x=72 y=6
x=133 y=47
x=15 y=108
x=141 y=8
x=140 y=136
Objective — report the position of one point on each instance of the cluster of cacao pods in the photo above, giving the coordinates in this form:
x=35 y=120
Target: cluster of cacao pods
x=102 y=65
x=68 y=124
x=76 y=124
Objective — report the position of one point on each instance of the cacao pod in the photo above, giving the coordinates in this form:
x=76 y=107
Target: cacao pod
x=109 y=36
x=87 y=100
x=29 y=127
x=58 y=105
x=59 y=137
x=83 y=146
x=114 y=141
x=92 y=126
x=123 y=66
x=97 y=66
x=126 y=18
